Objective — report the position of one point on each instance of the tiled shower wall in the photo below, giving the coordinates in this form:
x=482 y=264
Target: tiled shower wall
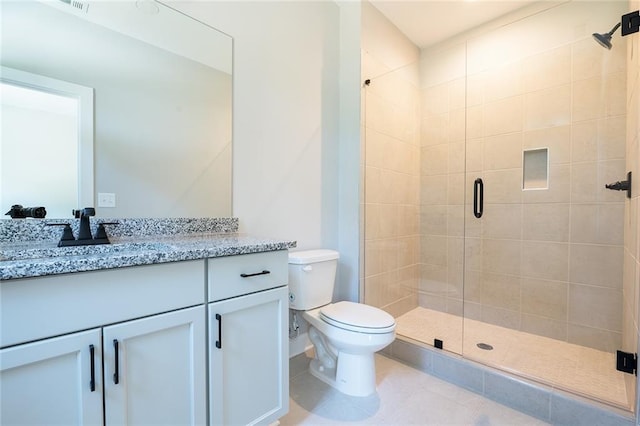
x=391 y=206
x=631 y=276
x=548 y=261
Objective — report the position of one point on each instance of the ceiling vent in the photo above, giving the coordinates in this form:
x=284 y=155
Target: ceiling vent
x=77 y=4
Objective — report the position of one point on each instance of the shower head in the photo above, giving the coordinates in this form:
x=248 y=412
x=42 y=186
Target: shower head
x=605 y=39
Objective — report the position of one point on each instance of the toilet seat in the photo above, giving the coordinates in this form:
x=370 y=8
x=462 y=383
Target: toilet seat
x=358 y=317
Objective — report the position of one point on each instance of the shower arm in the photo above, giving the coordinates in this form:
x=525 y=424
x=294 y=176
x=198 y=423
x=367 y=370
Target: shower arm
x=613 y=30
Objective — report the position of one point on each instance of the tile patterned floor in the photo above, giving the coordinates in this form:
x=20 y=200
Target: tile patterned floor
x=405 y=396
x=570 y=367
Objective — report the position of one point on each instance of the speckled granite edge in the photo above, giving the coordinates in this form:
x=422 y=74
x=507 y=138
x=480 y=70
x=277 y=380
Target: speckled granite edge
x=22 y=230
x=124 y=254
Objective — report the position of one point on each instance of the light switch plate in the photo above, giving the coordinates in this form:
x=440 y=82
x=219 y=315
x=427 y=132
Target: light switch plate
x=106 y=199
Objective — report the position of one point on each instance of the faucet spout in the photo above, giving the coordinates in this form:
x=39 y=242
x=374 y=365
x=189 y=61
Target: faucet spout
x=85 y=229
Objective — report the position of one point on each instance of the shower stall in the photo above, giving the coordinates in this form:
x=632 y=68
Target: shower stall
x=488 y=230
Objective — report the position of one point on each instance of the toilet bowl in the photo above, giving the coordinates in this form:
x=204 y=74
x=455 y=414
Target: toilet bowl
x=345 y=335
x=345 y=348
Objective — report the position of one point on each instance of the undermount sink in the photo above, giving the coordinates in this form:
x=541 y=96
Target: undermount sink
x=25 y=251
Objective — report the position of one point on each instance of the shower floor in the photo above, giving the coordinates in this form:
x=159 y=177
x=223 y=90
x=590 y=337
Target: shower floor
x=585 y=371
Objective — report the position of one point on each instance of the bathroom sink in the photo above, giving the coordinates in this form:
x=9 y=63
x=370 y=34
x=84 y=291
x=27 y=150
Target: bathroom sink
x=26 y=251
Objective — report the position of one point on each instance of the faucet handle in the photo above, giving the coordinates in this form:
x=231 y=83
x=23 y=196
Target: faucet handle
x=101 y=233
x=67 y=233
x=87 y=211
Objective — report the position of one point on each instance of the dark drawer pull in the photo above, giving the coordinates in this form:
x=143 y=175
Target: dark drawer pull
x=116 y=374
x=219 y=341
x=265 y=272
x=92 y=353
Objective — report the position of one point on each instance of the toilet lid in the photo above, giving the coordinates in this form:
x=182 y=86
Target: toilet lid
x=358 y=317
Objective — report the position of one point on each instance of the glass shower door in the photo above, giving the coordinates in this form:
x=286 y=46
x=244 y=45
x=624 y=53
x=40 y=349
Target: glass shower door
x=545 y=131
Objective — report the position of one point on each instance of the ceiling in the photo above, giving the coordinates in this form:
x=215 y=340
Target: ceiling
x=441 y=19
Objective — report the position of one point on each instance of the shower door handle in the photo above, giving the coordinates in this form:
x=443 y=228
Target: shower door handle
x=478 y=198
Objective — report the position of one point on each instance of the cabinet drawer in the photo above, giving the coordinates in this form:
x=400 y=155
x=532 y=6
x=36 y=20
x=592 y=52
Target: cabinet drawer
x=237 y=275
x=34 y=308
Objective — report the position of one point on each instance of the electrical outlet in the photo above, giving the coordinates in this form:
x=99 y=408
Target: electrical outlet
x=106 y=199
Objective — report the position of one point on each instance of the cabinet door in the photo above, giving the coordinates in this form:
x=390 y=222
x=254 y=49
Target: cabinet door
x=51 y=381
x=249 y=359
x=155 y=370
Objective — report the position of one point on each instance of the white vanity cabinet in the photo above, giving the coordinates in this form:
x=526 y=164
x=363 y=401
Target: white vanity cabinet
x=157 y=374
x=155 y=370
x=129 y=346
x=248 y=352
x=51 y=381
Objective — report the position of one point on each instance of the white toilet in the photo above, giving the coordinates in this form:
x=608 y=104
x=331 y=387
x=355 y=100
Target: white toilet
x=345 y=334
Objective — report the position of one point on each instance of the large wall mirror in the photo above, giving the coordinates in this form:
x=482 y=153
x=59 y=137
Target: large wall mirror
x=160 y=138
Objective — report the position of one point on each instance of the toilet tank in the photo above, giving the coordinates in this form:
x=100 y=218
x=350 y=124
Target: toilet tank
x=312 y=276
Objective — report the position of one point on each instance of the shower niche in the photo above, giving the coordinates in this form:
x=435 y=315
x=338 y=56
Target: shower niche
x=535 y=169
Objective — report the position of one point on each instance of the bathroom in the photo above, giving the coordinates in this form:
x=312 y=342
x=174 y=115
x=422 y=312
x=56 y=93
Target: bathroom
x=298 y=164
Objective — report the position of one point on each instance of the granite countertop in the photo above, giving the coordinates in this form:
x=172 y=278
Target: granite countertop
x=24 y=259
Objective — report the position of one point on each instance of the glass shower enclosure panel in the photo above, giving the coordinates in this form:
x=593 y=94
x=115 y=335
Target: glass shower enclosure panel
x=431 y=313
x=391 y=202
x=442 y=177
x=545 y=131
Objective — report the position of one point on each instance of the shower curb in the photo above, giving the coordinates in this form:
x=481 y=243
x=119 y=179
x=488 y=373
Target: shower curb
x=543 y=402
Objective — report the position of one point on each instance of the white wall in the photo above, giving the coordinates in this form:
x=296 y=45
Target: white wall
x=350 y=185
x=295 y=162
x=285 y=115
